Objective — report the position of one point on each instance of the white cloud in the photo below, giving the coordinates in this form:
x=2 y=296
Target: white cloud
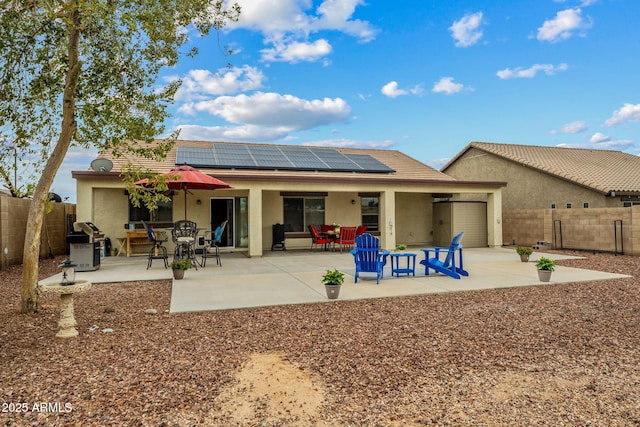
x=466 y=31
x=582 y=3
x=297 y=51
x=563 y=26
x=199 y=84
x=620 y=145
x=599 y=137
x=275 y=111
x=573 y=127
x=336 y=15
x=76 y=159
x=628 y=113
x=350 y=143
x=232 y=133
x=391 y=90
x=531 y=72
x=285 y=22
x=437 y=163
x=446 y=85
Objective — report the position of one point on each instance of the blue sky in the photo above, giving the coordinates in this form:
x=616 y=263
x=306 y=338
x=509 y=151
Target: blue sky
x=424 y=77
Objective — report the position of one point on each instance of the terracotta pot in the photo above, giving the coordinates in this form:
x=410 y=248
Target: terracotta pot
x=178 y=274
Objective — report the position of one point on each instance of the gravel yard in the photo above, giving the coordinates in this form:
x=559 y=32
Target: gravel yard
x=550 y=355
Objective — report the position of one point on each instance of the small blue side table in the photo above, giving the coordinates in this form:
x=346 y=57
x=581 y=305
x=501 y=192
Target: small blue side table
x=410 y=264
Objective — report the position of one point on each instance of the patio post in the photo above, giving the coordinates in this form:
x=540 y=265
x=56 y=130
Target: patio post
x=494 y=218
x=255 y=222
x=387 y=219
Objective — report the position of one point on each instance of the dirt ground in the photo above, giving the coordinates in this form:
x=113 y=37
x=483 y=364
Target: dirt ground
x=548 y=355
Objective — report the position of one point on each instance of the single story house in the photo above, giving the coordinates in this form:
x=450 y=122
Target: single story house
x=551 y=177
x=389 y=192
x=568 y=198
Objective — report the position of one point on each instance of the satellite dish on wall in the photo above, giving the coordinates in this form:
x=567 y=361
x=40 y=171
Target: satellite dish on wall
x=101 y=165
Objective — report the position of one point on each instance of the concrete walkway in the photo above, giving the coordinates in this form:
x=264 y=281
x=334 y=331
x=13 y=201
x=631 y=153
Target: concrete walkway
x=294 y=277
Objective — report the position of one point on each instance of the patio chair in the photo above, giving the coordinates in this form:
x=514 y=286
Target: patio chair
x=346 y=238
x=361 y=230
x=316 y=239
x=327 y=227
x=158 y=251
x=368 y=257
x=448 y=265
x=184 y=236
x=212 y=245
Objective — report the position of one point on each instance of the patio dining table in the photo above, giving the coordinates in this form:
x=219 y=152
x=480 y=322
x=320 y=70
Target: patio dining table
x=186 y=241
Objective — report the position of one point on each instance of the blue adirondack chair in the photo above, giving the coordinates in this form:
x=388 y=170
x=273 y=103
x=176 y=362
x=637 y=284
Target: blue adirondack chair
x=448 y=265
x=368 y=256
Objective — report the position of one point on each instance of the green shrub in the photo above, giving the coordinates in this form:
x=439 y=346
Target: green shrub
x=546 y=264
x=335 y=277
x=181 y=264
x=524 y=250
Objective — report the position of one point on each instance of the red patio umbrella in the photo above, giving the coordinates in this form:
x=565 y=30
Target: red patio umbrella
x=186 y=178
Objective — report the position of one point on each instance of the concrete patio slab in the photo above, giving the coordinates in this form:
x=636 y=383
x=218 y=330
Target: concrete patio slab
x=294 y=277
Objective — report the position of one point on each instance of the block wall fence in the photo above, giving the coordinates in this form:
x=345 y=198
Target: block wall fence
x=599 y=229
x=13 y=224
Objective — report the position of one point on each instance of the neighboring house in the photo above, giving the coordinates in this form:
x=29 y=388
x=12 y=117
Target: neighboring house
x=390 y=192
x=551 y=177
x=568 y=198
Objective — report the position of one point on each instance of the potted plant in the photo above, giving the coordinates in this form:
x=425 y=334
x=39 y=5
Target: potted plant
x=332 y=281
x=545 y=266
x=524 y=252
x=179 y=266
x=401 y=247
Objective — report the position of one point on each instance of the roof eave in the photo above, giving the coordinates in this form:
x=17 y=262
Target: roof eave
x=325 y=179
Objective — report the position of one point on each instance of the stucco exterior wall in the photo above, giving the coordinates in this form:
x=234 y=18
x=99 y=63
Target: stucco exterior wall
x=414 y=218
x=271 y=214
x=526 y=188
x=111 y=212
x=405 y=209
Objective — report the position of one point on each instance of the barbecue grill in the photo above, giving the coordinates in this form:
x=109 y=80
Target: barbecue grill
x=85 y=246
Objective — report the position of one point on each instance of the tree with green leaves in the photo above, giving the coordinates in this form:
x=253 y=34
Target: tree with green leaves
x=85 y=72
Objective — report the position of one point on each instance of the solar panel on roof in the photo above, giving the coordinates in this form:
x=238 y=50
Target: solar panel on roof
x=270 y=157
x=238 y=156
x=233 y=156
x=195 y=156
x=304 y=159
x=336 y=160
x=368 y=163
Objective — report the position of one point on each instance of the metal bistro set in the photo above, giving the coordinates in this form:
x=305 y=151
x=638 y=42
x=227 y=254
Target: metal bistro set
x=184 y=235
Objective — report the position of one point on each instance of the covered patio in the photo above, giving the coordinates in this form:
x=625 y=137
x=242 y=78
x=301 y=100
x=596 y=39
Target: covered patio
x=293 y=277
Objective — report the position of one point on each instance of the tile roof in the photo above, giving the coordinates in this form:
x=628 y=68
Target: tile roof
x=601 y=170
x=406 y=168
